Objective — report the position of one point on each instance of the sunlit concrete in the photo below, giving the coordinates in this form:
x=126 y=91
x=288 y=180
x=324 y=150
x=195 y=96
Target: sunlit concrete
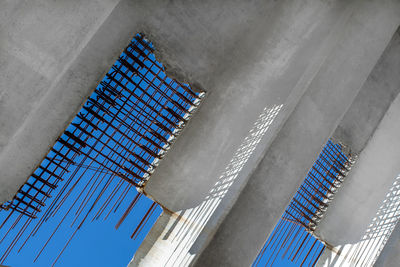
x=390 y=255
x=366 y=208
x=381 y=88
x=279 y=76
x=220 y=209
x=46 y=75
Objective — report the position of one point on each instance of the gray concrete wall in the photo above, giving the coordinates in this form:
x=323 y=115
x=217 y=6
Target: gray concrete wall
x=355 y=130
x=371 y=104
x=44 y=81
x=200 y=180
x=63 y=42
x=267 y=67
x=366 y=208
x=223 y=133
x=355 y=206
x=76 y=34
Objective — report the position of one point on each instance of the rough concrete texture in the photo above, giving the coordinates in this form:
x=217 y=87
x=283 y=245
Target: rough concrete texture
x=301 y=68
x=276 y=75
x=390 y=256
x=44 y=78
x=371 y=104
x=296 y=147
x=366 y=208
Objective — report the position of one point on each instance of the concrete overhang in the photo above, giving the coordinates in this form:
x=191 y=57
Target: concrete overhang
x=267 y=67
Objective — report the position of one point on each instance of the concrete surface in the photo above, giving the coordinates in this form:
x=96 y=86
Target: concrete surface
x=390 y=255
x=296 y=147
x=371 y=104
x=277 y=79
x=355 y=131
x=44 y=78
x=366 y=208
x=200 y=180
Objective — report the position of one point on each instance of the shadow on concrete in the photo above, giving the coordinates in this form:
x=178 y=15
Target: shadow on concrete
x=367 y=250
x=187 y=231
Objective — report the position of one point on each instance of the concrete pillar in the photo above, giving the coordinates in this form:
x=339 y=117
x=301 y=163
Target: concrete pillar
x=279 y=76
x=221 y=204
x=364 y=212
x=374 y=99
x=294 y=150
x=366 y=208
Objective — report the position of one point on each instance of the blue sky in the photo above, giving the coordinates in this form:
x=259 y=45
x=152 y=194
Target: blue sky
x=97 y=243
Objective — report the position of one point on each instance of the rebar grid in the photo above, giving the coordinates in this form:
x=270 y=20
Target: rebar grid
x=292 y=238
x=122 y=131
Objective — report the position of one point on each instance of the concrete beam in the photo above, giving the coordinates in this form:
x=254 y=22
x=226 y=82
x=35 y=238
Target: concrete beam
x=44 y=78
x=256 y=60
x=235 y=125
x=361 y=217
x=63 y=50
x=200 y=180
x=366 y=208
x=374 y=99
x=294 y=150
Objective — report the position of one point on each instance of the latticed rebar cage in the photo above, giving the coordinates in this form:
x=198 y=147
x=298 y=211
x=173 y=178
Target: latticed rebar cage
x=112 y=146
x=292 y=238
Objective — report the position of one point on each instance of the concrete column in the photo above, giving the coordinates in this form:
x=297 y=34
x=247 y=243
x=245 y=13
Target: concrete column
x=374 y=99
x=209 y=164
x=279 y=76
x=366 y=208
x=293 y=152
x=364 y=212
x=226 y=182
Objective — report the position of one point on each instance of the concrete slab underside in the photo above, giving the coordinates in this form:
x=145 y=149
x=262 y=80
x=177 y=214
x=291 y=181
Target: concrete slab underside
x=374 y=99
x=276 y=76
